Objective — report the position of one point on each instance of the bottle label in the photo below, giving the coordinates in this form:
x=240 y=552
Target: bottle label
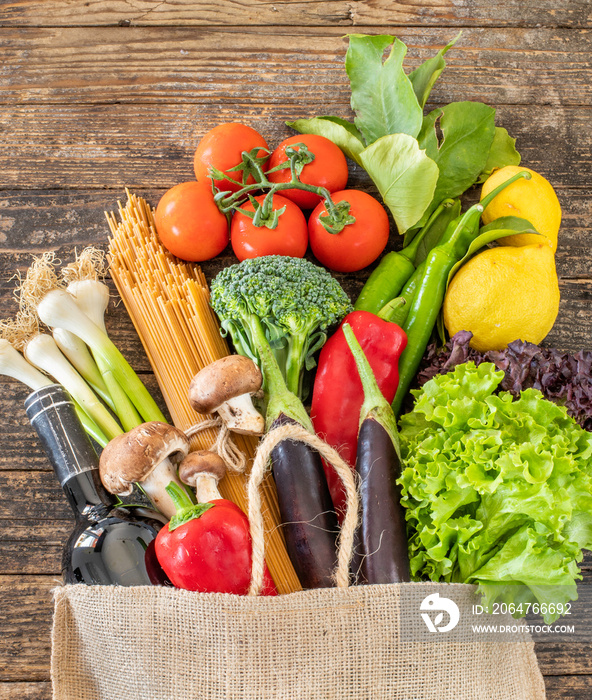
x=53 y=416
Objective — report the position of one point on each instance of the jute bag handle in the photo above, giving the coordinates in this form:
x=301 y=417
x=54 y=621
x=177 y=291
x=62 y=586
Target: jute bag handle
x=292 y=431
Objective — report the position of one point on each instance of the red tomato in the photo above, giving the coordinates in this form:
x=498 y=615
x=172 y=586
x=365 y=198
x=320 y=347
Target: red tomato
x=189 y=224
x=222 y=147
x=290 y=237
x=328 y=169
x=358 y=244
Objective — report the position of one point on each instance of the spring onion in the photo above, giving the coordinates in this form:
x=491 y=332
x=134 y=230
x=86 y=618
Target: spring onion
x=14 y=365
x=92 y=297
x=59 y=309
x=42 y=351
x=81 y=359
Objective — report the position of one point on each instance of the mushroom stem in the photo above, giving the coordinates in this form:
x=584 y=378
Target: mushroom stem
x=241 y=416
x=154 y=486
x=206 y=487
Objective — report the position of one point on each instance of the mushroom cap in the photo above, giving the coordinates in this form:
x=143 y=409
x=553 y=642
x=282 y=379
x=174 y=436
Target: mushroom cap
x=222 y=380
x=201 y=462
x=132 y=456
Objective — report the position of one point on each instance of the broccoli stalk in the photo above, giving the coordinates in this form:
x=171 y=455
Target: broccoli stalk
x=281 y=399
x=277 y=311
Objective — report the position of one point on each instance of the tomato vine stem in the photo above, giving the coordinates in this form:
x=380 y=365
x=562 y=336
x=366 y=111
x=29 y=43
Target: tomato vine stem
x=228 y=202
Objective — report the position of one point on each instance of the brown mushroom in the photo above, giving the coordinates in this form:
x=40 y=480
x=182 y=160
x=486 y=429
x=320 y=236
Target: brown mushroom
x=145 y=456
x=202 y=470
x=225 y=387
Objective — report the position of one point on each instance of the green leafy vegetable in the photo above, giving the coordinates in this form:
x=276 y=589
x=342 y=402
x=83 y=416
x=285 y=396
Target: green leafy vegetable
x=343 y=133
x=460 y=139
x=502 y=152
x=424 y=77
x=396 y=163
x=382 y=95
x=498 y=492
x=467 y=131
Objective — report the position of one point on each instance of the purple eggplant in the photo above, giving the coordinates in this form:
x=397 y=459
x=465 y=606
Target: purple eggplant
x=381 y=553
x=309 y=521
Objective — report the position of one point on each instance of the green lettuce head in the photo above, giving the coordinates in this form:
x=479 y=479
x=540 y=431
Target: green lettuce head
x=497 y=491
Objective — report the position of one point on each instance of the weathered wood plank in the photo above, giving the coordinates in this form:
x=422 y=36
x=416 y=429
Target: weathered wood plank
x=348 y=13
x=225 y=66
x=25 y=620
x=147 y=147
x=28 y=495
x=568 y=687
x=25 y=691
x=573 y=322
x=33 y=547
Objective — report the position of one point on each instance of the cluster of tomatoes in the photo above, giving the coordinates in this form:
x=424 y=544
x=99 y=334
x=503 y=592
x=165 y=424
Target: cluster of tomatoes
x=192 y=226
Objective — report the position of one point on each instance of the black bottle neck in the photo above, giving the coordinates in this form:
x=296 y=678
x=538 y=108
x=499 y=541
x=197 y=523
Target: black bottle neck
x=69 y=450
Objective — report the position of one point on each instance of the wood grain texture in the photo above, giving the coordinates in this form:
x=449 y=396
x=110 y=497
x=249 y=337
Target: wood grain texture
x=174 y=65
x=33 y=547
x=349 y=13
x=568 y=687
x=46 y=148
x=25 y=691
x=25 y=620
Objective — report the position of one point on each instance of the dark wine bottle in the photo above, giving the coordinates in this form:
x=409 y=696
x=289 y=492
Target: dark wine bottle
x=109 y=544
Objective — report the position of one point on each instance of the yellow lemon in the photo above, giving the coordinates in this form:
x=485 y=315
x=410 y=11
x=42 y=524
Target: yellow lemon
x=504 y=294
x=534 y=200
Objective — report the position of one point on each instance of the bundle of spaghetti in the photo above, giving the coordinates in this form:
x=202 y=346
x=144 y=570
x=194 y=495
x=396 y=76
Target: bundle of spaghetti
x=168 y=303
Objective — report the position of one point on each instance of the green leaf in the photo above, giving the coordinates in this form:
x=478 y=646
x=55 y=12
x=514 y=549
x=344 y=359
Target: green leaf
x=502 y=152
x=515 y=223
x=343 y=133
x=424 y=77
x=488 y=234
x=382 y=95
x=467 y=130
x=404 y=175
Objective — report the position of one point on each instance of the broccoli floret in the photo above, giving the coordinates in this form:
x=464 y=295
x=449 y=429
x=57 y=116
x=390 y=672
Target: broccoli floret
x=289 y=300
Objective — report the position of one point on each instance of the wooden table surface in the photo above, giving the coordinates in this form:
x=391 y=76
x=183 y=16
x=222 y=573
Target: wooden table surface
x=99 y=95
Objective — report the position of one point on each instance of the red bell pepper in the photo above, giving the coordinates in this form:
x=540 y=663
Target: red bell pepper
x=207 y=547
x=338 y=394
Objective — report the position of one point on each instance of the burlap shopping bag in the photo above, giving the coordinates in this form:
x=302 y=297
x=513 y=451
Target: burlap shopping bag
x=154 y=643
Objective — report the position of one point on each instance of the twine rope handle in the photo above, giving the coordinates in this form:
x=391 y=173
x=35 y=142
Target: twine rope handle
x=298 y=433
x=224 y=444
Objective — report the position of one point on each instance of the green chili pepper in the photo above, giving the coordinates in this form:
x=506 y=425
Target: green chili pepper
x=395 y=268
x=394 y=311
x=431 y=288
x=397 y=310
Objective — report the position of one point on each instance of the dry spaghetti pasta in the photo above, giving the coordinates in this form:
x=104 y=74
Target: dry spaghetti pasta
x=168 y=303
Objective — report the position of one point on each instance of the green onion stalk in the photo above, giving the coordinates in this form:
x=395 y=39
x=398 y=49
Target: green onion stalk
x=92 y=297
x=59 y=309
x=14 y=365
